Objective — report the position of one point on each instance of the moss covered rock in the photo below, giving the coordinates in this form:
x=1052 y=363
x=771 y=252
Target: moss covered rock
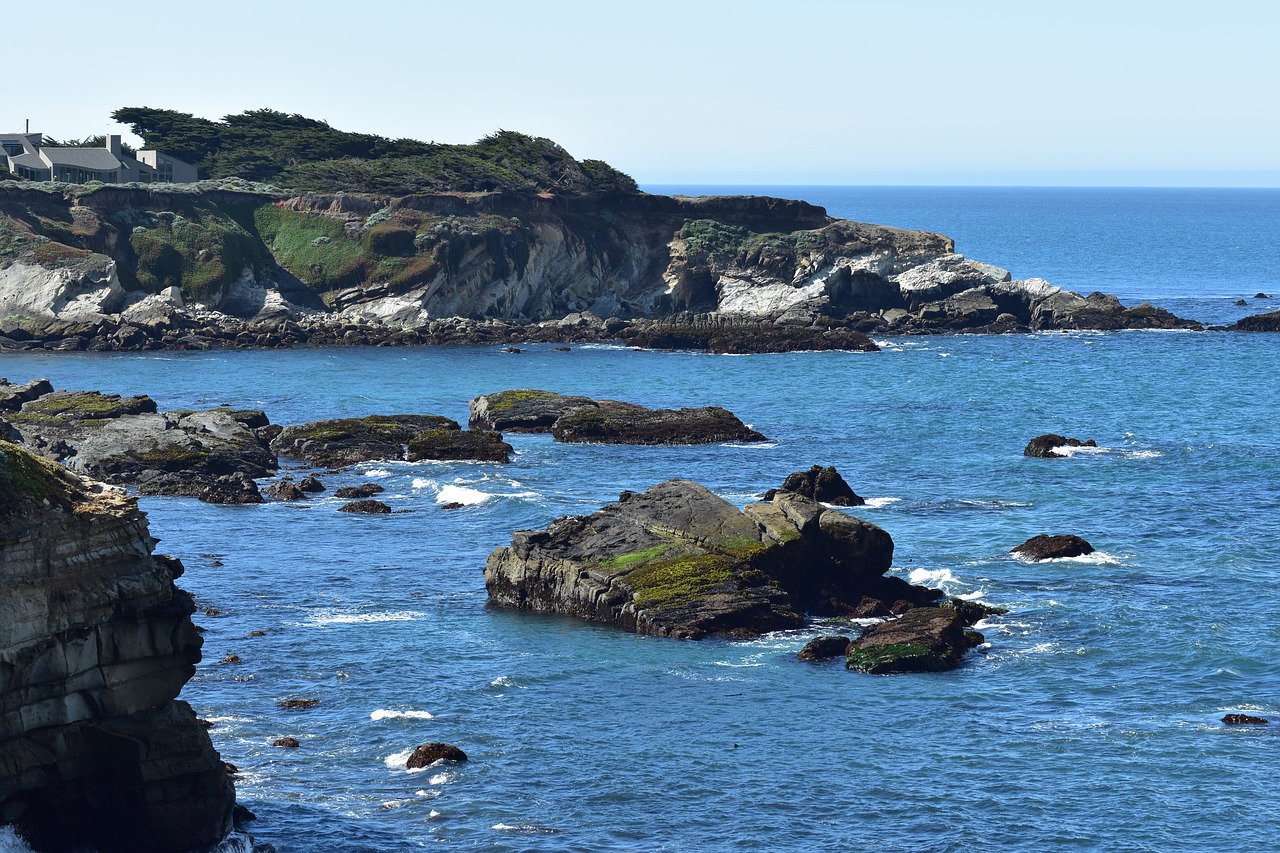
x=924 y=639
x=471 y=444
x=346 y=441
x=636 y=425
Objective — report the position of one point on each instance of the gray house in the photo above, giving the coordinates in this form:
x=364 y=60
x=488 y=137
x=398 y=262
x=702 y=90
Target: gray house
x=31 y=160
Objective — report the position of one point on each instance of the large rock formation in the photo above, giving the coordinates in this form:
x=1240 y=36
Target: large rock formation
x=119 y=267
x=346 y=441
x=126 y=441
x=679 y=561
x=95 y=644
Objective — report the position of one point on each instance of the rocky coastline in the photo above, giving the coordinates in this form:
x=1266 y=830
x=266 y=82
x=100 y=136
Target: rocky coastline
x=132 y=268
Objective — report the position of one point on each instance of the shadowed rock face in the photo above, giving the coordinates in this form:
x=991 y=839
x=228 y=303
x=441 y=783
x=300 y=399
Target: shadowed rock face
x=635 y=425
x=95 y=644
x=346 y=441
x=679 y=561
x=824 y=485
x=523 y=409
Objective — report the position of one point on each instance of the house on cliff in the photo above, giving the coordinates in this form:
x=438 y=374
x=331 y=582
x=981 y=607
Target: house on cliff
x=30 y=159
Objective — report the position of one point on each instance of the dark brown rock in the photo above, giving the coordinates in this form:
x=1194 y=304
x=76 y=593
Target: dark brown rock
x=824 y=485
x=1245 y=720
x=299 y=704
x=364 y=490
x=232 y=659
x=1044 y=547
x=824 y=648
x=430 y=753
x=346 y=441
x=1269 y=322
x=311 y=484
x=229 y=489
x=471 y=444
x=286 y=490
x=523 y=410
x=1044 y=446
x=367 y=507
x=632 y=425
x=286 y=742
x=924 y=639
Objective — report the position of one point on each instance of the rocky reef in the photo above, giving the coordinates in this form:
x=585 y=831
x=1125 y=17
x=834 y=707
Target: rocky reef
x=134 y=267
x=96 y=641
x=678 y=561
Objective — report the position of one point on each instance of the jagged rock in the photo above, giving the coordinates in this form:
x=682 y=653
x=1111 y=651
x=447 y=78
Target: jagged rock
x=1259 y=323
x=231 y=659
x=1045 y=547
x=13 y=396
x=824 y=648
x=229 y=489
x=430 y=753
x=824 y=485
x=125 y=441
x=95 y=643
x=364 y=490
x=299 y=704
x=924 y=639
x=523 y=410
x=471 y=444
x=346 y=441
x=286 y=742
x=452 y=505
x=286 y=490
x=366 y=507
x=1043 y=446
x=1245 y=720
x=633 y=425
x=310 y=484
x=679 y=561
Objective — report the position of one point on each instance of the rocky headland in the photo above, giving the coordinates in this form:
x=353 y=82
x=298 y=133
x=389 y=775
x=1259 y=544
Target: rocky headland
x=96 y=641
x=233 y=264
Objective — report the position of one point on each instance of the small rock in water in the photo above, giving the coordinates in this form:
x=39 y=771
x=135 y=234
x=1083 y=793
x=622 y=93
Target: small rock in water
x=1043 y=446
x=563 y=349
x=367 y=507
x=286 y=742
x=430 y=753
x=1245 y=720
x=512 y=349
x=1261 y=296
x=231 y=659
x=452 y=505
x=1241 y=302
x=286 y=490
x=366 y=490
x=824 y=648
x=299 y=704
x=1045 y=547
x=257 y=633
x=311 y=484
x=824 y=485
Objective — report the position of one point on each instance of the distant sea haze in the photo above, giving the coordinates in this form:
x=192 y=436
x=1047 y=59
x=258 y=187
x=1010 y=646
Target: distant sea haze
x=1136 y=243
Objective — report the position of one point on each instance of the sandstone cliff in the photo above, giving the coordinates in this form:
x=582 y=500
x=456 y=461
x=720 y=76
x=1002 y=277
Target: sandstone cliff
x=132 y=267
x=95 y=644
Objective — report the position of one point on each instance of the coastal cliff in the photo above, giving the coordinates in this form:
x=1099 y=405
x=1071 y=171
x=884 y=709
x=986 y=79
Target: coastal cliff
x=96 y=641
x=238 y=264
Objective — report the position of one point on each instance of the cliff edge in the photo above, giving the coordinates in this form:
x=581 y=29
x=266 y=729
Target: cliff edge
x=96 y=641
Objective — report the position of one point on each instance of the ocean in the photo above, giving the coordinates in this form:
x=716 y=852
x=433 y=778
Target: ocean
x=1090 y=720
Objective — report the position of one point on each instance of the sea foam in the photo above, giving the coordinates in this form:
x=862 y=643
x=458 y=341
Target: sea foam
x=384 y=714
x=462 y=495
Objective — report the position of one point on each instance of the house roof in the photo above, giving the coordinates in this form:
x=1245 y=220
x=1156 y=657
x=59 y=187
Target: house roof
x=94 y=159
x=31 y=161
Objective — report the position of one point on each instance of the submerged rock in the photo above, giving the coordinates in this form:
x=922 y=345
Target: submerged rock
x=367 y=507
x=286 y=742
x=364 y=490
x=286 y=490
x=635 y=425
x=924 y=639
x=824 y=485
x=679 y=561
x=95 y=643
x=1245 y=720
x=346 y=441
x=1045 y=547
x=1044 y=446
x=430 y=753
x=470 y=444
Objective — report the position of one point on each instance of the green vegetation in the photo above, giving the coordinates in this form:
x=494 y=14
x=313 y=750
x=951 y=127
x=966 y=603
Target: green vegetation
x=296 y=151
x=664 y=582
x=315 y=248
x=25 y=477
x=897 y=657
x=201 y=250
x=713 y=238
x=84 y=405
x=505 y=401
x=170 y=457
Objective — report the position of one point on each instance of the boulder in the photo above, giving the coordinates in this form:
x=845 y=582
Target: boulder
x=924 y=639
x=1045 y=547
x=523 y=410
x=678 y=561
x=286 y=490
x=430 y=753
x=1269 y=322
x=286 y=742
x=346 y=441
x=632 y=425
x=824 y=485
x=366 y=507
x=12 y=396
x=228 y=489
x=471 y=444
x=1044 y=446
x=824 y=648
x=364 y=490
x=299 y=704
x=1245 y=720
x=311 y=485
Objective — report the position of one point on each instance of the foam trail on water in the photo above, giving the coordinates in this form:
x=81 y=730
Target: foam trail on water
x=330 y=617
x=877 y=503
x=384 y=714
x=462 y=495
x=377 y=472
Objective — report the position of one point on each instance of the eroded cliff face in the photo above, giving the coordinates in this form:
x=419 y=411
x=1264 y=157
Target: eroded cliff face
x=156 y=262
x=96 y=641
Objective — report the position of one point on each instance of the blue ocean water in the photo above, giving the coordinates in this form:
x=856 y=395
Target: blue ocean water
x=1090 y=720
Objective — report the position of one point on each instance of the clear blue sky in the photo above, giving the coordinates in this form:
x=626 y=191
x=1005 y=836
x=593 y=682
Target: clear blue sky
x=1127 y=92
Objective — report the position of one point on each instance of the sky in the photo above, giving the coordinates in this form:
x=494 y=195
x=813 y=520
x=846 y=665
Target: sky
x=935 y=92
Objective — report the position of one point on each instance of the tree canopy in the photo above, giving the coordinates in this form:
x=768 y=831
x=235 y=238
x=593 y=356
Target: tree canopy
x=304 y=153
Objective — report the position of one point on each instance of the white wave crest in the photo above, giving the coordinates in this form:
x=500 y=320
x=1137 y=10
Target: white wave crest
x=1097 y=558
x=503 y=681
x=397 y=760
x=384 y=714
x=462 y=495
x=522 y=827
x=1068 y=451
x=331 y=617
x=932 y=577
x=378 y=472
x=420 y=483
x=877 y=503
x=11 y=842
x=751 y=445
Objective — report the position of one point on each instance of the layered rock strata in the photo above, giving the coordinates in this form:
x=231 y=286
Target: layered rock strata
x=678 y=561
x=96 y=641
